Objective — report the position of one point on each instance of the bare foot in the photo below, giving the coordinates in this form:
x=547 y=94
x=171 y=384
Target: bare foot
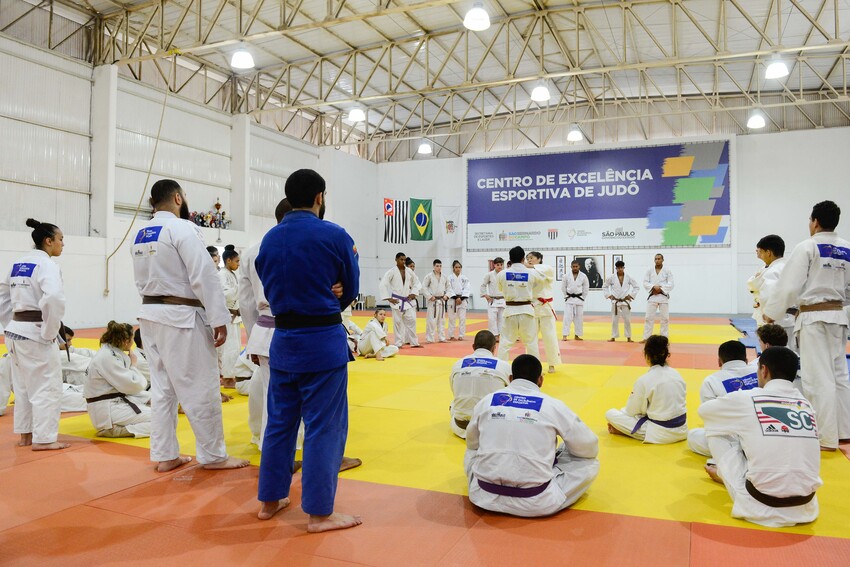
x=370 y=355
x=611 y=340
x=269 y=509
x=420 y=346
x=711 y=470
x=335 y=521
x=379 y=358
x=166 y=466
x=228 y=382
x=228 y=463
x=824 y=449
x=26 y=440
x=225 y=398
x=614 y=431
x=461 y=339
x=578 y=338
x=629 y=341
x=296 y=466
x=564 y=339
x=643 y=341
x=52 y=446
x=349 y=463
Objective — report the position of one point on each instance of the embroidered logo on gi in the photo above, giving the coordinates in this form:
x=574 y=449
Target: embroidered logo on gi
x=149 y=234
x=479 y=362
x=518 y=401
x=747 y=382
x=553 y=234
x=785 y=417
x=22 y=270
x=516 y=276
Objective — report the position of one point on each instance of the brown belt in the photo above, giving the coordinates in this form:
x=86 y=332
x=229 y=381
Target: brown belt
x=462 y=423
x=775 y=501
x=170 y=300
x=497 y=297
x=27 y=316
x=234 y=312
x=825 y=306
x=517 y=303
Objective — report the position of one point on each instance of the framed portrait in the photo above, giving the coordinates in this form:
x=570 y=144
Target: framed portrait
x=614 y=259
x=560 y=267
x=594 y=268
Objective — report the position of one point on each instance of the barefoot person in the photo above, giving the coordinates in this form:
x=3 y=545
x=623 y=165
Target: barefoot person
x=473 y=377
x=182 y=319
x=32 y=304
x=373 y=341
x=309 y=354
x=228 y=353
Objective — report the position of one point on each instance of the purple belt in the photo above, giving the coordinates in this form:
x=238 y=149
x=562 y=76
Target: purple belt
x=513 y=491
x=669 y=424
x=265 y=321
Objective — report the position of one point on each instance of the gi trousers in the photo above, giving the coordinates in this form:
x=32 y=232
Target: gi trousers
x=404 y=327
x=524 y=327
x=257 y=405
x=619 y=312
x=823 y=368
x=435 y=324
x=495 y=319
x=457 y=318
x=546 y=324
x=573 y=314
x=652 y=309
x=37 y=382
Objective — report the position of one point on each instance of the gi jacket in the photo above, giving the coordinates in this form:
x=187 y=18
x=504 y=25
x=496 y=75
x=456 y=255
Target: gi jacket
x=733 y=376
x=472 y=378
x=34 y=283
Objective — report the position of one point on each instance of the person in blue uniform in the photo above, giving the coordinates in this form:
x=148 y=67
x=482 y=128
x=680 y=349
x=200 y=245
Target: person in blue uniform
x=299 y=262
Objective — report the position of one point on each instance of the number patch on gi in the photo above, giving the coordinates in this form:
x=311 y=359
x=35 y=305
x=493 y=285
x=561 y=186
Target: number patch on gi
x=146 y=242
x=785 y=417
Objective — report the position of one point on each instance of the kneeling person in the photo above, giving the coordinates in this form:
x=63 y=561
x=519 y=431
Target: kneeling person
x=765 y=442
x=511 y=447
x=474 y=377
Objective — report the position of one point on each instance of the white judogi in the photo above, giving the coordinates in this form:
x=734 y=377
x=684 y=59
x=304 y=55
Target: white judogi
x=767 y=436
x=111 y=373
x=5 y=381
x=733 y=376
x=762 y=285
x=517 y=285
x=620 y=307
x=373 y=340
x=404 y=312
x=574 y=306
x=657 y=398
x=75 y=364
x=459 y=288
x=72 y=395
x=247 y=300
x=436 y=287
x=143 y=365
x=818 y=271
x=544 y=313
x=170 y=259
x=34 y=283
x=496 y=307
x=473 y=378
x=659 y=302
x=511 y=442
x=229 y=351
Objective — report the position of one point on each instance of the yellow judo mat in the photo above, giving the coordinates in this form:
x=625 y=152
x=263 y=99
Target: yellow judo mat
x=399 y=427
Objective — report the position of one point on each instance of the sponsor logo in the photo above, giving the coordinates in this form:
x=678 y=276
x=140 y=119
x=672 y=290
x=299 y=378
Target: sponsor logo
x=791 y=417
x=498 y=415
x=484 y=236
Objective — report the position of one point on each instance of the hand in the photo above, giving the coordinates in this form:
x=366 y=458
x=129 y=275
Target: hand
x=609 y=297
x=411 y=297
x=628 y=298
x=133 y=358
x=432 y=298
x=337 y=289
x=255 y=359
x=768 y=320
x=458 y=300
x=445 y=298
x=393 y=300
x=656 y=289
x=219 y=335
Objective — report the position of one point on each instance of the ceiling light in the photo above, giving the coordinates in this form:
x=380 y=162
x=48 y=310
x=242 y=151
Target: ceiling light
x=776 y=69
x=356 y=115
x=242 y=59
x=756 y=120
x=540 y=93
x=424 y=148
x=477 y=19
x=575 y=135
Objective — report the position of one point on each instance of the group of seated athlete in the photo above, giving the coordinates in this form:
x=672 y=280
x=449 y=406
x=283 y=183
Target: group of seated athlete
x=760 y=431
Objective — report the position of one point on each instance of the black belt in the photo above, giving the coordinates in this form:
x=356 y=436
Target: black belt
x=462 y=423
x=775 y=501
x=514 y=491
x=792 y=311
x=299 y=321
x=235 y=312
x=27 y=316
x=114 y=396
x=517 y=303
x=171 y=300
x=573 y=295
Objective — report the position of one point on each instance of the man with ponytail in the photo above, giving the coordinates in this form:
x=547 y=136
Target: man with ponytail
x=32 y=303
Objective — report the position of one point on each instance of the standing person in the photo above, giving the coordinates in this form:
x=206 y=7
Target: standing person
x=655 y=411
x=816 y=278
x=765 y=442
x=182 y=319
x=411 y=265
x=458 y=292
x=434 y=288
x=32 y=303
x=621 y=289
x=399 y=287
x=495 y=300
x=658 y=281
x=517 y=285
x=473 y=377
x=771 y=251
x=373 y=339
x=544 y=314
x=309 y=353
x=575 y=287
x=216 y=259
x=229 y=351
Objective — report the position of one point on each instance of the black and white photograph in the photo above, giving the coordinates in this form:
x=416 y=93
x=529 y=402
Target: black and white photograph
x=594 y=268
x=616 y=258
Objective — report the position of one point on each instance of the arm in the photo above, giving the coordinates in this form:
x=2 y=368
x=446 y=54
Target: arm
x=484 y=290
x=706 y=392
x=787 y=291
x=384 y=289
x=647 y=280
x=349 y=274
x=579 y=439
x=585 y=287
x=126 y=380
x=635 y=288
x=722 y=415
x=202 y=275
x=416 y=287
x=52 y=302
x=564 y=284
x=426 y=286
x=636 y=405
x=228 y=286
x=667 y=285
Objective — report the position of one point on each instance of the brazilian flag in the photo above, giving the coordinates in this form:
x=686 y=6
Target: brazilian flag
x=420 y=220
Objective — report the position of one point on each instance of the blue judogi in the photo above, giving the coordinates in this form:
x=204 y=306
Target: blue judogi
x=300 y=259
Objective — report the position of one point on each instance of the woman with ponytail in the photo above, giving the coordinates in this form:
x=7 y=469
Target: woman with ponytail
x=32 y=304
x=228 y=353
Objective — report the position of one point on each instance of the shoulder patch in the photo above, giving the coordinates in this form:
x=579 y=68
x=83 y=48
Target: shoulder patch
x=479 y=362
x=23 y=270
x=519 y=401
x=747 y=382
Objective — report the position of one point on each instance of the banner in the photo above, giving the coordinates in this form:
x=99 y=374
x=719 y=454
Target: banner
x=421 y=227
x=646 y=197
x=449 y=227
x=395 y=221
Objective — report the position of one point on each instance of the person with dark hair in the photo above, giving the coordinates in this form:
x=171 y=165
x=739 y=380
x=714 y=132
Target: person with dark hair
x=214 y=255
x=399 y=287
x=621 y=289
x=658 y=281
x=734 y=374
x=115 y=388
x=770 y=250
x=495 y=300
x=373 y=340
x=544 y=313
x=513 y=461
x=575 y=286
x=75 y=364
x=309 y=353
x=765 y=444
x=816 y=278
x=141 y=358
x=32 y=303
x=473 y=377
x=517 y=285
x=655 y=411
x=435 y=289
x=771 y=334
x=228 y=353
x=458 y=292
x=182 y=319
